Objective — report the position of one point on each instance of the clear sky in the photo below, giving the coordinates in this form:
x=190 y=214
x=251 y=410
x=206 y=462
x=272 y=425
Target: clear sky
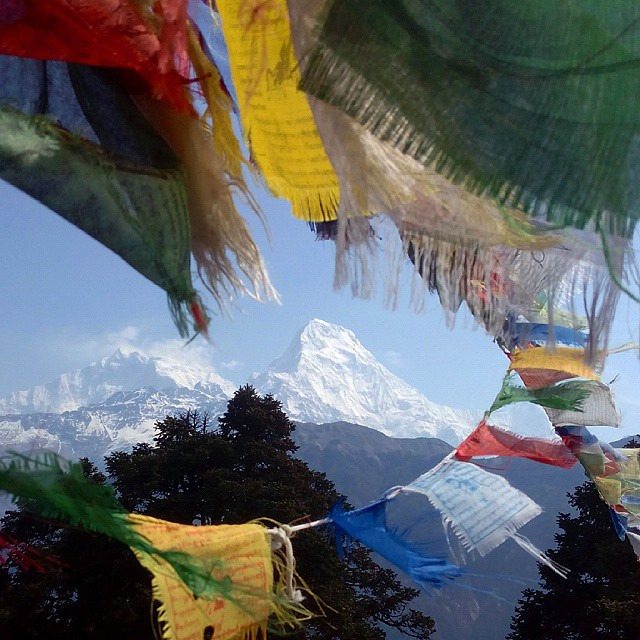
x=67 y=301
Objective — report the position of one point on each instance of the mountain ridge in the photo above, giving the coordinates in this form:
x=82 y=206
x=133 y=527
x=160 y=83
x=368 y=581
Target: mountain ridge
x=325 y=375
x=124 y=370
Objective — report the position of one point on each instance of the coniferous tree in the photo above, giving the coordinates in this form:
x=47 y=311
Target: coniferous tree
x=600 y=598
x=244 y=469
x=100 y=592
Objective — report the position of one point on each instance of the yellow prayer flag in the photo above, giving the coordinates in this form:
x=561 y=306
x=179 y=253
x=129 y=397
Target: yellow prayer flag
x=276 y=117
x=610 y=489
x=539 y=366
x=631 y=468
x=241 y=553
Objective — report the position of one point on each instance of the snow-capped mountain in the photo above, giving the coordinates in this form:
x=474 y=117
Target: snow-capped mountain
x=122 y=371
x=109 y=405
x=327 y=375
x=124 y=419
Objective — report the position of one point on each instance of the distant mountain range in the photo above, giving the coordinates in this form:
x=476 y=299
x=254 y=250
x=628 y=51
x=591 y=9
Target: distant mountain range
x=109 y=405
x=325 y=375
x=122 y=371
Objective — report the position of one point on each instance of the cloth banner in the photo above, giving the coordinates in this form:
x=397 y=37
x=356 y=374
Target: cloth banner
x=633 y=533
x=222 y=574
x=597 y=457
x=56 y=489
x=153 y=180
x=524 y=333
x=629 y=478
x=138 y=212
x=70 y=31
x=487 y=440
x=598 y=409
x=620 y=522
x=569 y=396
x=634 y=539
x=24 y=556
x=246 y=556
x=616 y=474
x=483 y=508
x=621 y=491
x=73 y=139
x=276 y=117
x=539 y=367
x=531 y=103
x=368 y=525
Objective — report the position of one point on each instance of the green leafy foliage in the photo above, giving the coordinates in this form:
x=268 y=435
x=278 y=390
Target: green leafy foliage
x=243 y=470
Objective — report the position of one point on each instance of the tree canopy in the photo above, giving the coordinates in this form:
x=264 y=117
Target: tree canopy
x=194 y=474
x=599 y=599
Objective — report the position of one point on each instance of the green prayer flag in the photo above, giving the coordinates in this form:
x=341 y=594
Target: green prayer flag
x=51 y=487
x=137 y=211
x=534 y=103
x=568 y=396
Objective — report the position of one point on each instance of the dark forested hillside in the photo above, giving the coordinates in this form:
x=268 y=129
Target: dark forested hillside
x=363 y=463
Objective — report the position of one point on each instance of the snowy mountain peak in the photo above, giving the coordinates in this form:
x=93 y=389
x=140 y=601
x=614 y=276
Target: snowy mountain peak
x=320 y=339
x=326 y=375
x=124 y=370
x=319 y=332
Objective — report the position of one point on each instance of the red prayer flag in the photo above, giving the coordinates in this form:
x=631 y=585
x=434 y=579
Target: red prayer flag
x=104 y=33
x=24 y=556
x=492 y=441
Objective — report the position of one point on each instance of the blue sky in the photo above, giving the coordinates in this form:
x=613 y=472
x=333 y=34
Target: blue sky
x=68 y=301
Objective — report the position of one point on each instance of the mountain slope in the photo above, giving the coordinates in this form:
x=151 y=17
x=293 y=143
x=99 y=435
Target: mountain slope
x=363 y=463
x=327 y=375
x=124 y=419
x=122 y=371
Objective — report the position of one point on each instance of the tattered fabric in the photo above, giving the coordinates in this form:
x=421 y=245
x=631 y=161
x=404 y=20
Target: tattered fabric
x=568 y=396
x=524 y=333
x=633 y=534
x=137 y=212
x=57 y=489
x=375 y=177
x=487 y=440
x=597 y=457
x=616 y=474
x=368 y=525
x=276 y=118
x=494 y=282
x=539 y=366
x=533 y=103
x=629 y=477
x=483 y=509
x=598 y=410
x=620 y=523
x=425 y=207
x=24 y=556
x=116 y=180
x=238 y=554
x=224 y=572
x=124 y=34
